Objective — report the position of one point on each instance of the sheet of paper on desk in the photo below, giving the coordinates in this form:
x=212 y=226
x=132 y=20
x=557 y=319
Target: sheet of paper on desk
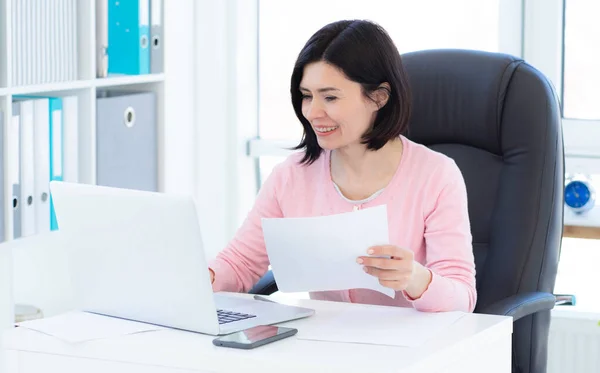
x=393 y=326
x=78 y=326
x=319 y=253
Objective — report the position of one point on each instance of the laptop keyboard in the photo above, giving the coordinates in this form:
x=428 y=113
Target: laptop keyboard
x=229 y=316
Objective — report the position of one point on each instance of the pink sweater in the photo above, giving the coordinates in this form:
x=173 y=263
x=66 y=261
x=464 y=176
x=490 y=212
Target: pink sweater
x=427 y=213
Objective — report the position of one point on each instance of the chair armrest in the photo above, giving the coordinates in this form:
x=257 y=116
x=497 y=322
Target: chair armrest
x=521 y=305
x=266 y=285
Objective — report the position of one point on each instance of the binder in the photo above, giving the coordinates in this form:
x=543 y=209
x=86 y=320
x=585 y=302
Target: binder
x=56 y=149
x=101 y=38
x=156 y=40
x=129 y=37
x=27 y=181
x=126 y=142
x=41 y=117
x=2 y=195
x=72 y=50
x=14 y=168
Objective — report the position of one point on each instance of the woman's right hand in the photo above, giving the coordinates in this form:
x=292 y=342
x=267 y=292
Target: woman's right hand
x=212 y=276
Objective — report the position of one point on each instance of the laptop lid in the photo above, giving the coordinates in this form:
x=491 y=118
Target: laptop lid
x=136 y=255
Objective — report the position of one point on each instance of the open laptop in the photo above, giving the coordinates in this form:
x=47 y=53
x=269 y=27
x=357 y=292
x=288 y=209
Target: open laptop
x=139 y=255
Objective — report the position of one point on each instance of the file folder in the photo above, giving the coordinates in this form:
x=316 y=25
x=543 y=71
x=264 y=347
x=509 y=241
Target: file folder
x=14 y=168
x=41 y=117
x=101 y=38
x=129 y=37
x=126 y=142
x=56 y=149
x=27 y=182
x=2 y=195
x=156 y=32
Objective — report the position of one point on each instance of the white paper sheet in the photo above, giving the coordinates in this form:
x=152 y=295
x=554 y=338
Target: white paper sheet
x=393 y=326
x=319 y=253
x=78 y=326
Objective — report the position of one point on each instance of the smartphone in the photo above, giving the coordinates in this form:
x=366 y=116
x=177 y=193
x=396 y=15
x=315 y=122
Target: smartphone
x=254 y=337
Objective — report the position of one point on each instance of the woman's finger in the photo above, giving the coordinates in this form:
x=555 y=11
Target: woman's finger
x=382 y=263
x=390 y=251
x=384 y=274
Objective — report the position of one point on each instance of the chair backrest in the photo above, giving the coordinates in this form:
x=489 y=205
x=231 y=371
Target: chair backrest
x=500 y=120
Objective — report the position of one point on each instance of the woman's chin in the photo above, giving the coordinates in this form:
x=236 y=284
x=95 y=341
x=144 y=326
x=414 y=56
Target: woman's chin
x=327 y=144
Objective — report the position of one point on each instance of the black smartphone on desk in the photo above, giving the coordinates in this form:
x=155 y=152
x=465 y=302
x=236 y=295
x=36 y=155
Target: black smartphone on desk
x=254 y=337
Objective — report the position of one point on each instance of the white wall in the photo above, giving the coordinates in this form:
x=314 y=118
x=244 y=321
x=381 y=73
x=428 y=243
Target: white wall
x=226 y=115
x=179 y=91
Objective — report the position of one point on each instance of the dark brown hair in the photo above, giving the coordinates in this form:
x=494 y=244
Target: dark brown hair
x=365 y=53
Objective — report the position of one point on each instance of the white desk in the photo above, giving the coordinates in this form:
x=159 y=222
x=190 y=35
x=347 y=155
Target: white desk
x=476 y=343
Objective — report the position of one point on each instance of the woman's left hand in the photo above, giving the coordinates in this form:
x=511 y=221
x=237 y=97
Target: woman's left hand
x=399 y=271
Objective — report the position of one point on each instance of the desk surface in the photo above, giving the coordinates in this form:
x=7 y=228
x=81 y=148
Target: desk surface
x=195 y=352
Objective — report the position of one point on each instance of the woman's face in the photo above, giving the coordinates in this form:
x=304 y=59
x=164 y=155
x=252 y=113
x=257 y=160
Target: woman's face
x=335 y=106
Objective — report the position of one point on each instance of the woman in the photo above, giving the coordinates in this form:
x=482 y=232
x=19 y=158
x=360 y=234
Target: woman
x=350 y=92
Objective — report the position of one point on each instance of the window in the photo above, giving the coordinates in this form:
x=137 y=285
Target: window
x=561 y=40
x=581 y=60
x=285 y=26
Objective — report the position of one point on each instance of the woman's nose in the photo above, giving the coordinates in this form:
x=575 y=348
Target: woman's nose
x=313 y=110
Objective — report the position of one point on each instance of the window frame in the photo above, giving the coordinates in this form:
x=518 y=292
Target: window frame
x=543 y=41
x=510 y=41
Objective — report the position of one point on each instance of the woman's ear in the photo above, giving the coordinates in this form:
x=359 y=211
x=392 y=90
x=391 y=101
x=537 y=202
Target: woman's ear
x=382 y=95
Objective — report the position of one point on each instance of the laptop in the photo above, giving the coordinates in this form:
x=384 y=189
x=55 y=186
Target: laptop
x=139 y=255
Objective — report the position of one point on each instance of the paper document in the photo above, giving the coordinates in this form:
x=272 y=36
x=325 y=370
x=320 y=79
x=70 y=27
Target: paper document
x=78 y=326
x=319 y=253
x=393 y=326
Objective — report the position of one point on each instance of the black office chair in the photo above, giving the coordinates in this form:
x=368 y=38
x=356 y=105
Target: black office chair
x=499 y=119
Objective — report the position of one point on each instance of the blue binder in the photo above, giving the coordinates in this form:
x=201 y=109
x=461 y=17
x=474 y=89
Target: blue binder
x=129 y=37
x=56 y=149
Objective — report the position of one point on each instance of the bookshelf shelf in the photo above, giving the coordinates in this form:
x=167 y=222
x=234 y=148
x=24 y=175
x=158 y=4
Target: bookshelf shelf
x=48 y=88
x=81 y=84
x=128 y=80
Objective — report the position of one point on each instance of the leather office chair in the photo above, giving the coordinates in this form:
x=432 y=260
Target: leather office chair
x=499 y=119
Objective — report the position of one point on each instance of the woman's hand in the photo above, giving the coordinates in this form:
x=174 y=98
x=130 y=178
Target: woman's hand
x=399 y=272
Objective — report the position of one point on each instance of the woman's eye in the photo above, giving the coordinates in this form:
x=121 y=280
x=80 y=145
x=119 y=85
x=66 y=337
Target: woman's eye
x=304 y=97
x=330 y=98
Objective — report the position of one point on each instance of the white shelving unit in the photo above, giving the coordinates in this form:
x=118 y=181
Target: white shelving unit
x=85 y=87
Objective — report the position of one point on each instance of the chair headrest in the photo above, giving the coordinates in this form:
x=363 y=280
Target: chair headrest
x=458 y=96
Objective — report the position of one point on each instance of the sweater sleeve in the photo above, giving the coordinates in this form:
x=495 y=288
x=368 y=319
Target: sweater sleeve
x=244 y=260
x=448 y=246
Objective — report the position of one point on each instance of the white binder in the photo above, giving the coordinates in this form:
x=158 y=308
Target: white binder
x=14 y=169
x=101 y=38
x=156 y=37
x=27 y=168
x=42 y=164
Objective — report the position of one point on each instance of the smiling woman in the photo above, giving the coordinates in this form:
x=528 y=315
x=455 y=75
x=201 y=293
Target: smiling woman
x=350 y=93
x=342 y=111
x=341 y=99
